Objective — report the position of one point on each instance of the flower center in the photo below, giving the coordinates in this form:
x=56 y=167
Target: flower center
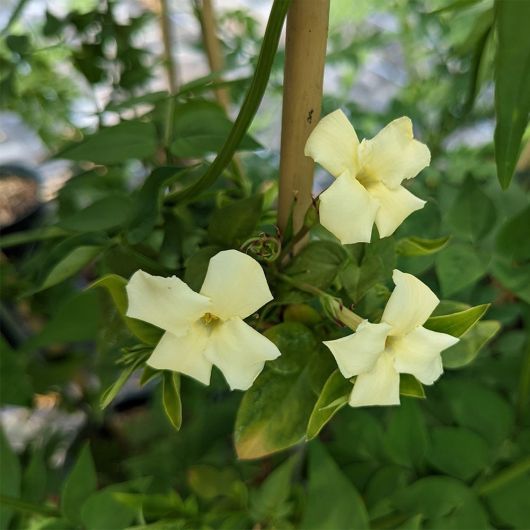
x=390 y=343
x=209 y=320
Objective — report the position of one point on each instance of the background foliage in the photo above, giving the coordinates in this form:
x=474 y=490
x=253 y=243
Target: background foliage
x=145 y=194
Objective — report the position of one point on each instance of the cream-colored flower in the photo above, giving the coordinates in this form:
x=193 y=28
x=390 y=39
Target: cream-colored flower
x=207 y=329
x=368 y=175
x=378 y=353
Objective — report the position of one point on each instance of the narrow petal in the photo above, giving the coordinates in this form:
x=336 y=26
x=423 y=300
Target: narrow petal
x=357 y=354
x=378 y=387
x=396 y=205
x=393 y=155
x=348 y=211
x=184 y=354
x=164 y=302
x=333 y=144
x=410 y=304
x=240 y=352
x=418 y=353
x=236 y=284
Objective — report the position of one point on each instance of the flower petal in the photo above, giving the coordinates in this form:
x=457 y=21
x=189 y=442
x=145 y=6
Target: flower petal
x=347 y=210
x=240 y=352
x=184 y=354
x=418 y=353
x=377 y=387
x=236 y=284
x=357 y=354
x=396 y=205
x=164 y=302
x=410 y=304
x=393 y=155
x=333 y=144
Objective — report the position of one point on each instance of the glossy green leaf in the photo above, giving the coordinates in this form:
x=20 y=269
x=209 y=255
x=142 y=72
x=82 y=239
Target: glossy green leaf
x=509 y=503
x=107 y=213
x=458 y=452
x=171 y=398
x=334 y=396
x=318 y=263
x=197 y=265
x=79 y=485
x=102 y=510
x=233 y=223
x=459 y=266
x=209 y=482
x=465 y=351
x=112 y=145
x=418 y=246
x=512 y=234
x=112 y=391
x=329 y=487
x=31 y=236
x=201 y=128
x=115 y=285
x=512 y=84
x=444 y=502
x=274 y=412
x=15 y=385
x=34 y=478
x=457 y=324
x=409 y=386
x=515 y=277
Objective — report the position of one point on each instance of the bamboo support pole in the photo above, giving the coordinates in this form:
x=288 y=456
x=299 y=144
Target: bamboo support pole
x=305 y=52
x=212 y=46
x=168 y=38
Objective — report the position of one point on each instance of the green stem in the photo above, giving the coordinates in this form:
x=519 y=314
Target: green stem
x=505 y=476
x=295 y=239
x=249 y=107
x=28 y=507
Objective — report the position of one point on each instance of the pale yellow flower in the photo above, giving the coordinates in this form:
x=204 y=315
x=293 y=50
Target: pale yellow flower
x=368 y=175
x=207 y=329
x=378 y=353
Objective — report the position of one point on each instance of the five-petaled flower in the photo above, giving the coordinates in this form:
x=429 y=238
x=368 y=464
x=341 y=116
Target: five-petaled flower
x=368 y=175
x=207 y=329
x=378 y=353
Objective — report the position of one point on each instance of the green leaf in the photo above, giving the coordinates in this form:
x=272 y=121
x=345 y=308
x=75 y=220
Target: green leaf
x=34 y=479
x=112 y=145
x=30 y=236
x=479 y=408
x=250 y=104
x=209 y=482
x=15 y=385
x=318 y=263
x=458 y=452
x=513 y=276
x=274 y=412
x=406 y=439
x=18 y=43
x=235 y=222
x=269 y=502
x=418 y=246
x=512 y=84
x=102 y=510
x=512 y=233
x=79 y=485
x=197 y=265
x=201 y=128
x=147 y=203
x=107 y=213
x=71 y=264
x=465 y=351
x=115 y=285
x=112 y=391
x=509 y=503
x=11 y=478
x=328 y=486
x=473 y=212
x=459 y=266
x=77 y=319
x=457 y=324
x=409 y=386
x=334 y=396
x=171 y=398
x=444 y=502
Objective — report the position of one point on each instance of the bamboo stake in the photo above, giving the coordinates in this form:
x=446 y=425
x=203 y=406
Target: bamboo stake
x=305 y=52
x=213 y=47
x=167 y=37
